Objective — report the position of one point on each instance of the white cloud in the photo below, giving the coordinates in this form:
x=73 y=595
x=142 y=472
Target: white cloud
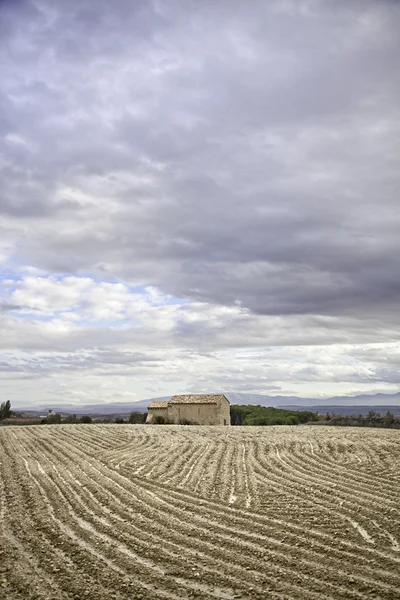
x=70 y=335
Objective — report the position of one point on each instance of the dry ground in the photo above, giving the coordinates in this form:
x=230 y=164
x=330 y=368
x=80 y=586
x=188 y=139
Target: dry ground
x=95 y=512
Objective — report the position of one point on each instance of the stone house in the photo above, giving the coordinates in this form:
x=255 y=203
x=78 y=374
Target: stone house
x=210 y=409
x=157 y=409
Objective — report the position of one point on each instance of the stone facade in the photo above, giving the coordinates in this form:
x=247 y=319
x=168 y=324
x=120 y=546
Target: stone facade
x=156 y=410
x=200 y=409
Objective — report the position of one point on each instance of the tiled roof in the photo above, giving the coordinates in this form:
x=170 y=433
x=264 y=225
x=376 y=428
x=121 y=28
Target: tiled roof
x=159 y=404
x=197 y=399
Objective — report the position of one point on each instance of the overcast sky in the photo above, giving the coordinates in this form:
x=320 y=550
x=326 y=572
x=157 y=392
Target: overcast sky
x=198 y=196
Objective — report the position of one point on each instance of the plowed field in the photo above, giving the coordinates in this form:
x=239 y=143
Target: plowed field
x=95 y=512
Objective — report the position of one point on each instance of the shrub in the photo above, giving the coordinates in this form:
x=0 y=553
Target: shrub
x=53 y=419
x=71 y=419
x=85 y=419
x=159 y=420
x=137 y=417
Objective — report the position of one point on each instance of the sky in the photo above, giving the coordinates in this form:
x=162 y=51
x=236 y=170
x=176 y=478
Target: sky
x=198 y=196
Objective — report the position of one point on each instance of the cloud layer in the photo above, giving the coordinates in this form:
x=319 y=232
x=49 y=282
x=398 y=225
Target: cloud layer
x=187 y=188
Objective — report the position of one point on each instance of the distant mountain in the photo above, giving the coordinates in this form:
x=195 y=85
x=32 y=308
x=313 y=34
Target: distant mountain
x=349 y=409
x=109 y=408
x=378 y=402
x=284 y=401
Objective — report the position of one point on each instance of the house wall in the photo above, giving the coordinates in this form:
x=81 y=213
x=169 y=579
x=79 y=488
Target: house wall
x=224 y=412
x=156 y=412
x=203 y=414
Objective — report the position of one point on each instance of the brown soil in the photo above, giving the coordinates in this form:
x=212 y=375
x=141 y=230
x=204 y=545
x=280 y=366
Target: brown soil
x=95 y=512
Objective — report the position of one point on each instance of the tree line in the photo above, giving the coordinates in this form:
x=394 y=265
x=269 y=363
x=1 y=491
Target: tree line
x=262 y=415
x=55 y=418
x=372 y=419
x=134 y=417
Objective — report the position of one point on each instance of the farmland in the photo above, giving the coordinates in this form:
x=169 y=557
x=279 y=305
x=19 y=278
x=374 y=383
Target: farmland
x=96 y=512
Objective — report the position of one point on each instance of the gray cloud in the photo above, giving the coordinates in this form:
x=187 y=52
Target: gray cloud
x=274 y=156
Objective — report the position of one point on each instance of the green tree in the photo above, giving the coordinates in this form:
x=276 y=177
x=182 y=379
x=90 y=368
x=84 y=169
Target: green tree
x=53 y=419
x=137 y=417
x=389 y=419
x=71 y=419
x=85 y=419
x=5 y=410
